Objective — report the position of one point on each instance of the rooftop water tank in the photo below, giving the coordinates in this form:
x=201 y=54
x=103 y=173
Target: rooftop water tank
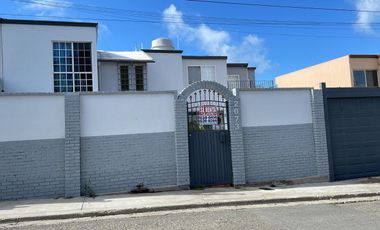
x=162 y=44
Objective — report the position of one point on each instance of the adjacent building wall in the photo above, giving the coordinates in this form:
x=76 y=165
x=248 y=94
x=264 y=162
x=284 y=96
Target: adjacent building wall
x=278 y=134
x=335 y=73
x=28 y=54
x=365 y=64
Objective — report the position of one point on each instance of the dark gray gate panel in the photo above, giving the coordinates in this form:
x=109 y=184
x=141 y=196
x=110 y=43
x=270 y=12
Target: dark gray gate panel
x=355 y=136
x=210 y=158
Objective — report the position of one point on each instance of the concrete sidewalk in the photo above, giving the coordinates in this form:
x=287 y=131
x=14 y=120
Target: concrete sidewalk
x=43 y=209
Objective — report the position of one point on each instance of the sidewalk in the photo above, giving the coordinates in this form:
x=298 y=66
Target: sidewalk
x=43 y=209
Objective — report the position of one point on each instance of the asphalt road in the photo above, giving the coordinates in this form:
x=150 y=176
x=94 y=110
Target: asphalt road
x=362 y=215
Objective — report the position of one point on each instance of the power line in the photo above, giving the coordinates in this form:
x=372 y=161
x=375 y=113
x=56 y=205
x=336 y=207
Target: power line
x=231 y=31
x=190 y=19
x=283 y=6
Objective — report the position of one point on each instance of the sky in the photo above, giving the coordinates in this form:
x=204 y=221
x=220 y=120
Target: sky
x=276 y=40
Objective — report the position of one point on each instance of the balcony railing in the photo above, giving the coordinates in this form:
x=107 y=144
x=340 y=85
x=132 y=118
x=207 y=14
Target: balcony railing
x=265 y=84
x=246 y=84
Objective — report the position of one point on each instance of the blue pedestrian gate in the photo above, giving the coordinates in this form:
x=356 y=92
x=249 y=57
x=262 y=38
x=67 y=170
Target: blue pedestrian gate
x=209 y=139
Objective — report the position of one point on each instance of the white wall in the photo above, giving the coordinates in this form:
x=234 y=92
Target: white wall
x=108 y=76
x=28 y=54
x=1 y=57
x=220 y=69
x=130 y=113
x=275 y=107
x=32 y=117
x=166 y=72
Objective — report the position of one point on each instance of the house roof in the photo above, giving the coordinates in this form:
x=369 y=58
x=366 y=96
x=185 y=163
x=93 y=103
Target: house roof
x=245 y=65
x=204 y=57
x=47 y=23
x=124 y=56
x=364 y=56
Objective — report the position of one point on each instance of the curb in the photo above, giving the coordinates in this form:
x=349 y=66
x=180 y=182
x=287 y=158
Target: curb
x=186 y=206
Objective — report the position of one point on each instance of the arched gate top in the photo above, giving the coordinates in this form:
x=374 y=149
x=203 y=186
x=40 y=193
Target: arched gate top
x=221 y=89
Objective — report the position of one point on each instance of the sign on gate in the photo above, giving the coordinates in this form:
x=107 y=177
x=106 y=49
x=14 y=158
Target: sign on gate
x=208 y=115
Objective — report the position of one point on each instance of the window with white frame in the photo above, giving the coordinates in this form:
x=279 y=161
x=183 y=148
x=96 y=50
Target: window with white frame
x=234 y=77
x=124 y=77
x=72 y=65
x=132 y=77
x=200 y=73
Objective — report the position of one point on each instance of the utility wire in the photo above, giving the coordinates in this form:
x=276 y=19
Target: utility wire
x=190 y=19
x=283 y=6
x=228 y=30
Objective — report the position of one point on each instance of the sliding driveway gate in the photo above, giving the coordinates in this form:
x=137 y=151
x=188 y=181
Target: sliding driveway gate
x=353 y=131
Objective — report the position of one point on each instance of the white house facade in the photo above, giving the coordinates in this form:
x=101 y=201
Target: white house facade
x=51 y=56
x=160 y=119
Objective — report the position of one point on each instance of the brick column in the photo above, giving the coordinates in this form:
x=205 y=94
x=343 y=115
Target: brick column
x=319 y=129
x=237 y=145
x=181 y=143
x=72 y=145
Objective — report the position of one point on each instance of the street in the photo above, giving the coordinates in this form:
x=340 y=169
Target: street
x=318 y=215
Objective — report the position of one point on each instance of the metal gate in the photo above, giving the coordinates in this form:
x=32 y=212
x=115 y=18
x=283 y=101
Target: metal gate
x=353 y=128
x=209 y=139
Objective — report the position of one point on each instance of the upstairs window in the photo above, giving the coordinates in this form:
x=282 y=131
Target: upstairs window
x=124 y=78
x=139 y=75
x=72 y=65
x=365 y=78
x=234 y=78
x=200 y=73
x=132 y=77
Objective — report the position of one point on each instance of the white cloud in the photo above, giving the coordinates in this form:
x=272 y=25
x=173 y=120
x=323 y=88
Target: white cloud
x=364 y=19
x=46 y=7
x=251 y=48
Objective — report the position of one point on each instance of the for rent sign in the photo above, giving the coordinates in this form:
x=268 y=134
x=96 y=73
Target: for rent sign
x=208 y=115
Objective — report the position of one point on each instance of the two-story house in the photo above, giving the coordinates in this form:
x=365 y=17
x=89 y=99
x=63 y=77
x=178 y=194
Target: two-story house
x=347 y=71
x=56 y=56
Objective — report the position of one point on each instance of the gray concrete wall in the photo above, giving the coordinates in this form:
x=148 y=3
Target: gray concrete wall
x=279 y=152
x=241 y=71
x=31 y=169
x=108 y=76
x=118 y=163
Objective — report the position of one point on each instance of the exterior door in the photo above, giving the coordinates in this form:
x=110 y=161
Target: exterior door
x=209 y=139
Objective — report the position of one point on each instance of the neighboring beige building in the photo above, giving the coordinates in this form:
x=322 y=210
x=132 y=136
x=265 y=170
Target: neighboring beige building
x=346 y=71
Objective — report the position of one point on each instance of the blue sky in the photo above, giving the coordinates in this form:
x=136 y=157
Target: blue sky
x=273 y=49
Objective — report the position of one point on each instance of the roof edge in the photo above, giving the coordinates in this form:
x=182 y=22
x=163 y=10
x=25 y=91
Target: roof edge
x=237 y=65
x=123 y=60
x=161 y=51
x=204 y=57
x=47 y=23
x=364 y=56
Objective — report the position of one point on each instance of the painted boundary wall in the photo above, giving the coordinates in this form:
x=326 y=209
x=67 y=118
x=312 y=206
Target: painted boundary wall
x=54 y=145
x=284 y=134
x=32 y=143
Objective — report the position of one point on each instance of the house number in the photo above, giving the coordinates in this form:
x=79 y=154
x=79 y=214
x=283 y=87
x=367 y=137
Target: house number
x=236 y=114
